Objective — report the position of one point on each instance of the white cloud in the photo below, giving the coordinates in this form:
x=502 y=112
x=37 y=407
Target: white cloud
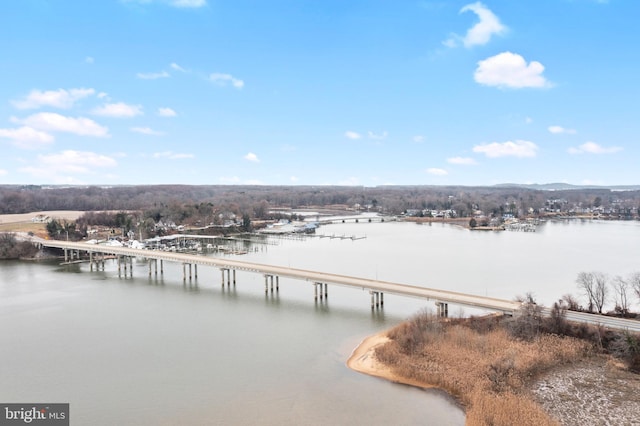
x=3 y=172
x=437 y=172
x=89 y=59
x=482 y=31
x=294 y=179
x=560 y=129
x=172 y=155
x=52 y=166
x=78 y=161
x=252 y=157
x=465 y=161
x=594 y=148
x=174 y=3
x=224 y=79
x=519 y=149
x=188 y=3
x=26 y=137
x=451 y=41
x=352 y=135
x=510 y=70
x=49 y=121
x=166 y=112
x=60 y=98
x=418 y=138
x=379 y=136
x=528 y=120
x=153 y=75
x=119 y=110
x=146 y=131
x=103 y=95
x=177 y=67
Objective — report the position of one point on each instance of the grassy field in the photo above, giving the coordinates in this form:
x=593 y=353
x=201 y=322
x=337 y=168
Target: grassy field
x=37 y=228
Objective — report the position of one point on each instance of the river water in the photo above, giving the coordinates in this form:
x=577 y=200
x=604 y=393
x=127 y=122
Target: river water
x=160 y=351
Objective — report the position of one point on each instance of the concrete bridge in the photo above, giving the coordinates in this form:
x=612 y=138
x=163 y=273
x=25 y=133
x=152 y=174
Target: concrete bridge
x=320 y=280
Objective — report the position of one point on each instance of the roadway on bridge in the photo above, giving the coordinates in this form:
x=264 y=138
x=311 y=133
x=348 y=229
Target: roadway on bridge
x=430 y=294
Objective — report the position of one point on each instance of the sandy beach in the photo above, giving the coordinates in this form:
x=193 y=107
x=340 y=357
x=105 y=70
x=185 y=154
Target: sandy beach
x=363 y=360
x=592 y=391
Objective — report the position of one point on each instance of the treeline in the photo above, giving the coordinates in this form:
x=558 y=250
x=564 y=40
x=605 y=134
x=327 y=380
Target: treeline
x=599 y=289
x=258 y=200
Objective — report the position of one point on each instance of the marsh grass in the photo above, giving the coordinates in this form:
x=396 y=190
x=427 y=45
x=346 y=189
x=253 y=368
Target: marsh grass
x=481 y=363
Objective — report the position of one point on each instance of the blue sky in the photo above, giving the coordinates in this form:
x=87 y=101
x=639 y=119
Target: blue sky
x=332 y=92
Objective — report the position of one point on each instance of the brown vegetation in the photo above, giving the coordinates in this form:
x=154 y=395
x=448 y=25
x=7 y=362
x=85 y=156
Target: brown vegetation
x=10 y=248
x=487 y=363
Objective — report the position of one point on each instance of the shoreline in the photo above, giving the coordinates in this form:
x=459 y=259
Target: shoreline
x=363 y=360
x=565 y=393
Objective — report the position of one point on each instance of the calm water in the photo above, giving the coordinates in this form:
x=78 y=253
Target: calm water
x=140 y=351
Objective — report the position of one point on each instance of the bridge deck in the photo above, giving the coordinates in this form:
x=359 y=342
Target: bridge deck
x=436 y=295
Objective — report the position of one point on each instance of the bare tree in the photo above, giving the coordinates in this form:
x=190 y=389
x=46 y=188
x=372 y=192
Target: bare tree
x=601 y=290
x=586 y=283
x=621 y=288
x=570 y=302
x=634 y=279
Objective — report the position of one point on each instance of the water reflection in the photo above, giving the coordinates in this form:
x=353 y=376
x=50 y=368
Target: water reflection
x=161 y=349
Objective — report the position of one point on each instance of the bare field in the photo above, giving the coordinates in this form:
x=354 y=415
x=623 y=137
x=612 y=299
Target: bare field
x=26 y=217
x=26 y=227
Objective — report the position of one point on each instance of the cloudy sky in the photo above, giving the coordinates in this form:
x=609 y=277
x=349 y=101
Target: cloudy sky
x=281 y=92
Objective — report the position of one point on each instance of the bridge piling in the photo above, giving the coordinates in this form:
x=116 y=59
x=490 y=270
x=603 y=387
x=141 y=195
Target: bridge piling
x=376 y=299
x=195 y=270
x=97 y=255
x=442 y=309
x=91 y=261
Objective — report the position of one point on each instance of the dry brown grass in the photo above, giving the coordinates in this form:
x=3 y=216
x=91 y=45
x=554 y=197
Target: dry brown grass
x=38 y=229
x=487 y=370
